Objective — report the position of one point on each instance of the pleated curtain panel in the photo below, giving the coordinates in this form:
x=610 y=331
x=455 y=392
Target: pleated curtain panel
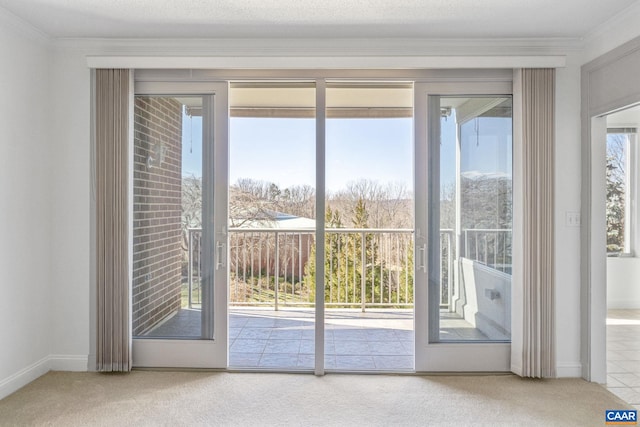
x=112 y=103
x=538 y=302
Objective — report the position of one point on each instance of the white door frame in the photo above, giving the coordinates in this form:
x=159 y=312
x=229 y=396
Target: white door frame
x=608 y=83
x=211 y=352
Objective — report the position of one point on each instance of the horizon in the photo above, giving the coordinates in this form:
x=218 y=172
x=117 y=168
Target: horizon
x=375 y=150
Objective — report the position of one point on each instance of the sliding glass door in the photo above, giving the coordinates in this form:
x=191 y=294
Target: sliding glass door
x=321 y=212
x=179 y=226
x=463 y=228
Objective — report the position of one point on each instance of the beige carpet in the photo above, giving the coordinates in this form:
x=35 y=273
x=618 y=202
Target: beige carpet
x=249 y=399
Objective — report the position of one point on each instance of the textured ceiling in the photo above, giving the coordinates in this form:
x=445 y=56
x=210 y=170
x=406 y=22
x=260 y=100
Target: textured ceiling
x=315 y=18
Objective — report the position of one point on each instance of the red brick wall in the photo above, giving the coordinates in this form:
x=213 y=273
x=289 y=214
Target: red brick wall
x=157 y=251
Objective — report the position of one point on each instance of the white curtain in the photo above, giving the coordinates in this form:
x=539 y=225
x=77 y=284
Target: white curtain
x=112 y=104
x=533 y=350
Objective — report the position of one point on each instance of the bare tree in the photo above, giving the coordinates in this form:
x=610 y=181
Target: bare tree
x=616 y=189
x=191 y=206
x=299 y=200
x=251 y=200
x=388 y=206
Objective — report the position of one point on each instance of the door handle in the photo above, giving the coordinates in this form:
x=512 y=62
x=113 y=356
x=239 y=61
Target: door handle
x=422 y=258
x=220 y=255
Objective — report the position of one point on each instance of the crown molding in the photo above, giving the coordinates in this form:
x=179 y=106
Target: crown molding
x=23 y=28
x=295 y=47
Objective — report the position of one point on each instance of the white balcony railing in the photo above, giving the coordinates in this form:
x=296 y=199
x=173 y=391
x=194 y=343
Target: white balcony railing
x=364 y=268
x=491 y=247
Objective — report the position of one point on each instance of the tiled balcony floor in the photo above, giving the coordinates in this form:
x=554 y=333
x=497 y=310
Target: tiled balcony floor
x=377 y=340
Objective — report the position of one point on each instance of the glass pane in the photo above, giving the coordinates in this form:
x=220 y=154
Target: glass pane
x=369 y=223
x=618 y=215
x=272 y=225
x=167 y=212
x=475 y=219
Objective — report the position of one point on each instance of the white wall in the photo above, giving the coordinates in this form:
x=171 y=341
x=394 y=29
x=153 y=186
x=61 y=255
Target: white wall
x=25 y=210
x=567 y=199
x=623 y=286
x=70 y=189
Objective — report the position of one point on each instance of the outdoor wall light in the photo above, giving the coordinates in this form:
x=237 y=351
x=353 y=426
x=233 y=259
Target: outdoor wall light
x=157 y=153
x=445 y=111
x=492 y=294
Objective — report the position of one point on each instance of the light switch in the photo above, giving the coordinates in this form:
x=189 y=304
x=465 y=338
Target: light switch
x=572 y=219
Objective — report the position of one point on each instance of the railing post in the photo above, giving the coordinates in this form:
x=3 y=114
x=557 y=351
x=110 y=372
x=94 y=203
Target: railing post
x=464 y=253
x=450 y=273
x=190 y=268
x=276 y=277
x=363 y=278
x=299 y=264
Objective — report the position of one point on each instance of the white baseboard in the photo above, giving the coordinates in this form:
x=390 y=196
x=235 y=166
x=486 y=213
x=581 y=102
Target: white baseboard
x=569 y=370
x=23 y=377
x=53 y=362
x=623 y=304
x=516 y=368
x=68 y=362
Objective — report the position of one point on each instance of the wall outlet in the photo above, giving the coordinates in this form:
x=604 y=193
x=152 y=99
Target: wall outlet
x=572 y=219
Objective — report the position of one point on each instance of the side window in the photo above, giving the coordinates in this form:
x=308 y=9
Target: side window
x=619 y=170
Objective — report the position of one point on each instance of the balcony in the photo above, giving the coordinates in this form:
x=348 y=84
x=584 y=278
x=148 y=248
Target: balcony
x=368 y=295
x=365 y=268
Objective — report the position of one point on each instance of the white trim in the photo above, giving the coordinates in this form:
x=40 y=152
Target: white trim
x=68 y=362
x=568 y=370
x=23 y=377
x=52 y=362
x=517 y=245
x=305 y=62
x=466 y=357
x=197 y=77
x=167 y=353
x=319 y=341
x=421 y=219
x=325 y=46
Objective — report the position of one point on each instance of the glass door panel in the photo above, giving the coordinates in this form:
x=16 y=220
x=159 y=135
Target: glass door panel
x=179 y=243
x=463 y=228
x=369 y=227
x=167 y=227
x=272 y=225
x=470 y=259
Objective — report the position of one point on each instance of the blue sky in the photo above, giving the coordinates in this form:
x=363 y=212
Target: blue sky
x=283 y=150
